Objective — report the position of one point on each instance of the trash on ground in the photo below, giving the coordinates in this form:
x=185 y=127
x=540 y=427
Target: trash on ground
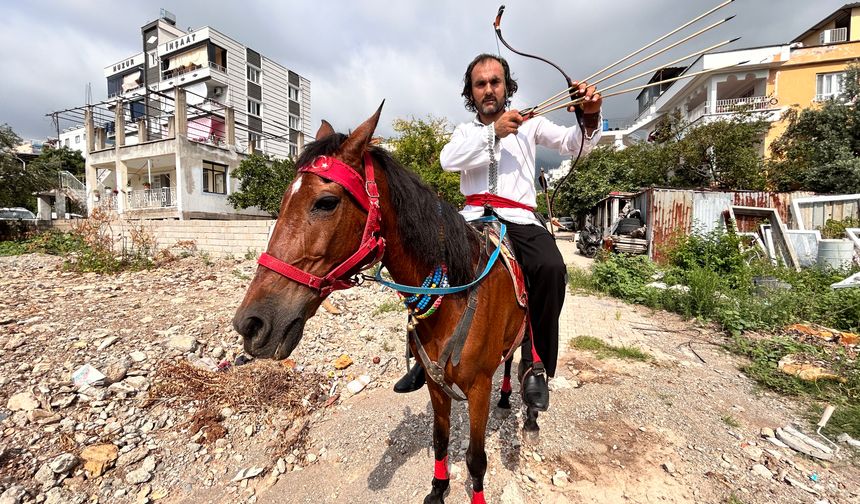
x=802 y=443
x=87 y=375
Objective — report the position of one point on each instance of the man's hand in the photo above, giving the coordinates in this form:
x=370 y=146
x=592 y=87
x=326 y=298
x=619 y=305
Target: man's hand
x=508 y=123
x=592 y=99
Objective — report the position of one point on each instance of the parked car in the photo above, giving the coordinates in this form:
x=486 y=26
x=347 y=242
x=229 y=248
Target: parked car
x=565 y=224
x=16 y=213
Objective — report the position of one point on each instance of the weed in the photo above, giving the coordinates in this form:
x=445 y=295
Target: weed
x=241 y=275
x=388 y=306
x=734 y=499
x=834 y=229
x=251 y=254
x=603 y=349
x=580 y=279
x=731 y=421
x=206 y=258
x=617 y=314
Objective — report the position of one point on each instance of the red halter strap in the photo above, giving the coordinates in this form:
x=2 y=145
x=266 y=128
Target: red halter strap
x=372 y=246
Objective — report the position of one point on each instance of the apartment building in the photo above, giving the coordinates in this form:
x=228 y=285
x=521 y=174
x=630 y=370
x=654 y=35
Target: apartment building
x=800 y=73
x=180 y=117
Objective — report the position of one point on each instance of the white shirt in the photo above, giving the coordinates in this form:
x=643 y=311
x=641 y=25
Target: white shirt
x=468 y=152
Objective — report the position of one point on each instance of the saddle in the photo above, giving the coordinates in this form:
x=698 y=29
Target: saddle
x=490 y=233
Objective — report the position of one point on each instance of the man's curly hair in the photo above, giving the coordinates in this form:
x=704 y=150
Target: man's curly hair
x=510 y=83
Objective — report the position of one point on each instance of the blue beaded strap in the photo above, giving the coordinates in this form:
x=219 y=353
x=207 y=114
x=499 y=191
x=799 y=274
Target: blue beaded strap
x=441 y=291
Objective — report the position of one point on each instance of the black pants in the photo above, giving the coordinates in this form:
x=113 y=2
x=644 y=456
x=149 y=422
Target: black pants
x=546 y=277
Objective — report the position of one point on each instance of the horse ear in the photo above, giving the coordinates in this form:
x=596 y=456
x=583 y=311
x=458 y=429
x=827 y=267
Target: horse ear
x=357 y=142
x=325 y=130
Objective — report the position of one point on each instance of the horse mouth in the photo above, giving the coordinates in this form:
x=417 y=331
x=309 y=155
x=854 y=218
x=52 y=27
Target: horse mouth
x=278 y=346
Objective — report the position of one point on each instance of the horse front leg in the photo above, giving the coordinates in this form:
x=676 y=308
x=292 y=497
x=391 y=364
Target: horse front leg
x=441 y=433
x=505 y=392
x=476 y=456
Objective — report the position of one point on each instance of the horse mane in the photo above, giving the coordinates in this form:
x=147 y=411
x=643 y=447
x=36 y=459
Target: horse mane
x=422 y=217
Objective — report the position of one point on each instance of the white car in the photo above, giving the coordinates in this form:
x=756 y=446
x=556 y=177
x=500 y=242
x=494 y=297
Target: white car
x=16 y=213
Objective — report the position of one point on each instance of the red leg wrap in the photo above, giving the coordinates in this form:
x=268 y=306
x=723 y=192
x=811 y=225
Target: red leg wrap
x=478 y=498
x=440 y=470
x=506 y=385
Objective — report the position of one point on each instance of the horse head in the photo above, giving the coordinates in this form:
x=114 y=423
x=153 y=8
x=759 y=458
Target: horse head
x=319 y=227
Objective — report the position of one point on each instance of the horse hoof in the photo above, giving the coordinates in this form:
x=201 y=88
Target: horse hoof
x=441 y=488
x=504 y=401
x=531 y=437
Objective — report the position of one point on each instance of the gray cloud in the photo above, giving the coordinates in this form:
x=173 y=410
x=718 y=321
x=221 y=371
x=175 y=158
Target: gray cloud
x=357 y=53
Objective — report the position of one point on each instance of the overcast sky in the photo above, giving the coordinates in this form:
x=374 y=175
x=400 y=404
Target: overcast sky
x=357 y=53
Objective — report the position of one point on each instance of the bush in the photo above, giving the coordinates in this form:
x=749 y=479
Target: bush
x=624 y=276
x=711 y=279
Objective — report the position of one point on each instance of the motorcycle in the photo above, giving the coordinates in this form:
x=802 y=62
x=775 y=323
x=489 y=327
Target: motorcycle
x=589 y=239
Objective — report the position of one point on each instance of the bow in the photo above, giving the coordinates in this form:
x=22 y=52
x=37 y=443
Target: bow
x=497 y=24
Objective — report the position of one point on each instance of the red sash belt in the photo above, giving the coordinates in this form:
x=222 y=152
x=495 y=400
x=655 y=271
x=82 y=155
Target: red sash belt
x=495 y=201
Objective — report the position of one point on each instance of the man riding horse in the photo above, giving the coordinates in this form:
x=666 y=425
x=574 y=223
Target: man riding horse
x=495 y=156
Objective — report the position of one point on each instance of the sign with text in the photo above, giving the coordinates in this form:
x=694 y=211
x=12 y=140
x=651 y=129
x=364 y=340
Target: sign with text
x=183 y=41
x=135 y=61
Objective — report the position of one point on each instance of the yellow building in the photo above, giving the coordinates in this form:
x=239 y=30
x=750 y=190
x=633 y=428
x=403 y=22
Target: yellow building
x=774 y=78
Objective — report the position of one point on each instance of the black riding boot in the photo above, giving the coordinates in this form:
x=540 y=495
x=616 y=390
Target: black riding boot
x=411 y=381
x=535 y=389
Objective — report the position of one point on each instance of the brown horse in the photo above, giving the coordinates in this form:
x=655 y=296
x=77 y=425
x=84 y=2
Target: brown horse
x=320 y=226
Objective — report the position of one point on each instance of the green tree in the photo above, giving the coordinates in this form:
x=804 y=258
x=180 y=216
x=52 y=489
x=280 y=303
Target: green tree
x=263 y=182
x=724 y=154
x=417 y=146
x=62 y=158
x=18 y=183
x=820 y=149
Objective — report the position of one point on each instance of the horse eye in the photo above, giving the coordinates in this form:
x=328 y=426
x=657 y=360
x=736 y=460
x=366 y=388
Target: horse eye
x=326 y=204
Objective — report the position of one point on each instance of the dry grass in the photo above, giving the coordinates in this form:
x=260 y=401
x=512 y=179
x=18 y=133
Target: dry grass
x=254 y=386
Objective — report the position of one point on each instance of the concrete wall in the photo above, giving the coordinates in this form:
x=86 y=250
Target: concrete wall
x=214 y=237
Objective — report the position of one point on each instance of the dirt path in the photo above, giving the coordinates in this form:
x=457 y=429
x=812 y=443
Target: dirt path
x=684 y=427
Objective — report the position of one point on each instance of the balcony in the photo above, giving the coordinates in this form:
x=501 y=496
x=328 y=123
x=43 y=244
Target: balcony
x=191 y=73
x=752 y=103
x=698 y=112
x=152 y=198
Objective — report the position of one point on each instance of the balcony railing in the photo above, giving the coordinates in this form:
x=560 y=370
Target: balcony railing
x=617 y=124
x=698 y=112
x=748 y=103
x=833 y=36
x=216 y=66
x=152 y=198
x=828 y=96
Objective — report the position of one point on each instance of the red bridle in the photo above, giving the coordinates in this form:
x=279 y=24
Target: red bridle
x=366 y=193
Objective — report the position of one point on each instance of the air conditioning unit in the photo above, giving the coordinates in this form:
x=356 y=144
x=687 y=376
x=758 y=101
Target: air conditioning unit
x=218 y=91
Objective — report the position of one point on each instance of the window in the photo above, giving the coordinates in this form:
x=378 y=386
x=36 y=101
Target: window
x=77 y=139
x=254 y=107
x=66 y=142
x=153 y=59
x=828 y=85
x=214 y=178
x=294 y=122
x=294 y=150
x=256 y=139
x=294 y=93
x=253 y=74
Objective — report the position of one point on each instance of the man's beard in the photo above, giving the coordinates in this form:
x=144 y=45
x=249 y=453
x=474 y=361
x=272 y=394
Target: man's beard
x=492 y=107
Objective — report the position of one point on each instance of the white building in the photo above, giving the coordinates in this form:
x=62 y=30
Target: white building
x=180 y=117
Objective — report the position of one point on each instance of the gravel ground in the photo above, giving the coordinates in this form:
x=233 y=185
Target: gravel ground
x=684 y=427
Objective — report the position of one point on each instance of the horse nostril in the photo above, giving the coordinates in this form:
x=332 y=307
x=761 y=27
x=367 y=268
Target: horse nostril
x=249 y=326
